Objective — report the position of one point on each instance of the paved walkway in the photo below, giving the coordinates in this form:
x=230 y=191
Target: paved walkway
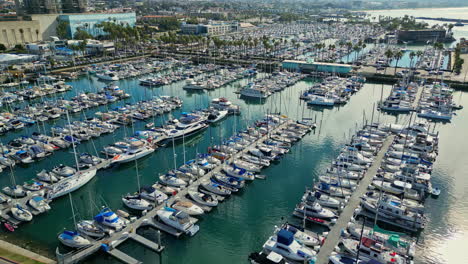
x=333 y=236
x=24 y=252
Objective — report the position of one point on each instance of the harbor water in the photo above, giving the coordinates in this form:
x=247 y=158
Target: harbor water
x=243 y=222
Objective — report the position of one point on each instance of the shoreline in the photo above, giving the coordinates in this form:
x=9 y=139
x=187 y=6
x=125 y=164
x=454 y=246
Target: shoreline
x=411 y=9
x=22 y=255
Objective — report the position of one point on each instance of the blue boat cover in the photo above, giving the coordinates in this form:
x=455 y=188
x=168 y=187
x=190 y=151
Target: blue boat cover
x=285 y=237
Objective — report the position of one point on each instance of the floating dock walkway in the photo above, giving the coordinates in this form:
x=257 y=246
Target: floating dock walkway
x=334 y=235
x=150 y=220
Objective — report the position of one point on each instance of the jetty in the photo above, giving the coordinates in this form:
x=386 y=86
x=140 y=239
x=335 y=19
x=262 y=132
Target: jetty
x=149 y=219
x=334 y=235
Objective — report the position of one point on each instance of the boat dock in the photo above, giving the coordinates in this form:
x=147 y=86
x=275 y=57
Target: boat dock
x=149 y=219
x=334 y=235
x=5 y=208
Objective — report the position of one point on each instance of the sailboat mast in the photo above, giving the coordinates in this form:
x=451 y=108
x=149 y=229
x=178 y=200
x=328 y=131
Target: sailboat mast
x=73 y=142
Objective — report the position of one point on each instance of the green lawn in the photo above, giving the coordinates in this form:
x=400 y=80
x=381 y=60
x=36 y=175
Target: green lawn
x=18 y=258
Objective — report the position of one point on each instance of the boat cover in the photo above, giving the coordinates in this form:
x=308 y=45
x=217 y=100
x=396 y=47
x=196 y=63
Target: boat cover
x=285 y=237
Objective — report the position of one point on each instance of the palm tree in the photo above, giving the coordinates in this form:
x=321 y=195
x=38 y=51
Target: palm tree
x=397 y=57
x=389 y=55
x=22 y=35
x=412 y=55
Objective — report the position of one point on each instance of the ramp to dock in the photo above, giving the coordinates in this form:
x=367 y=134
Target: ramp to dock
x=147 y=243
x=123 y=257
x=333 y=236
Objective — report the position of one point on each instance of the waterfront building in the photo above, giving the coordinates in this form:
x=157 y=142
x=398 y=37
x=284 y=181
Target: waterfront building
x=212 y=28
x=425 y=35
x=19 y=32
x=89 y=21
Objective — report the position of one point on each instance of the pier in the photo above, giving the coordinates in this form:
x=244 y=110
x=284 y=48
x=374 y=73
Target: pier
x=334 y=235
x=148 y=219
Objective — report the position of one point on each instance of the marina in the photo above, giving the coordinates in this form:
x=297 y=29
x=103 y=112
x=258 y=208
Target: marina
x=290 y=138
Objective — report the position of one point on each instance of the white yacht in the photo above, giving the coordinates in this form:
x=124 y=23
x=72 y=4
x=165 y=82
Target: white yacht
x=109 y=219
x=187 y=207
x=137 y=149
x=178 y=220
x=254 y=92
x=284 y=244
x=108 y=76
x=191 y=84
x=73 y=239
x=393 y=212
x=321 y=100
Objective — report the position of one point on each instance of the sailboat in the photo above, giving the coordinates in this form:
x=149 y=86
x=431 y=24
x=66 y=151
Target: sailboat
x=72 y=183
x=73 y=239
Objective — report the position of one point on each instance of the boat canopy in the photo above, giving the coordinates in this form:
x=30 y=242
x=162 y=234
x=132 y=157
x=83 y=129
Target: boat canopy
x=285 y=237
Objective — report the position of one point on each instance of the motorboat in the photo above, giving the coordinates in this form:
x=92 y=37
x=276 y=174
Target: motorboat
x=320 y=100
x=387 y=238
x=33 y=185
x=7 y=162
x=215 y=188
x=203 y=198
x=216 y=115
x=89 y=159
x=372 y=249
x=230 y=182
x=14 y=191
x=108 y=218
x=322 y=199
x=108 y=76
x=239 y=173
x=247 y=166
x=73 y=239
x=88 y=228
x=153 y=194
x=394 y=212
x=22 y=156
x=21 y=213
x=284 y=244
x=398 y=188
x=338 y=182
x=270 y=258
x=187 y=207
x=332 y=190
x=137 y=150
x=47 y=176
x=314 y=209
x=39 y=204
x=336 y=258
x=63 y=170
x=178 y=220
x=301 y=236
x=136 y=202
x=172 y=180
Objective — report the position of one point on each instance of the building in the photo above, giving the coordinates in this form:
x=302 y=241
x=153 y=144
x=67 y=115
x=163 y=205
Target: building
x=89 y=21
x=19 y=32
x=307 y=67
x=212 y=28
x=29 y=7
x=425 y=35
x=463 y=46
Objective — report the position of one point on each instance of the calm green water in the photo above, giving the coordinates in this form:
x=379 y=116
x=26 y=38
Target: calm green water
x=242 y=223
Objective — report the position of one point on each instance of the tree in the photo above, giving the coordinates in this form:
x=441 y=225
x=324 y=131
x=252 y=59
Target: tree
x=397 y=57
x=2 y=47
x=412 y=55
x=81 y=34
x=62 y=29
